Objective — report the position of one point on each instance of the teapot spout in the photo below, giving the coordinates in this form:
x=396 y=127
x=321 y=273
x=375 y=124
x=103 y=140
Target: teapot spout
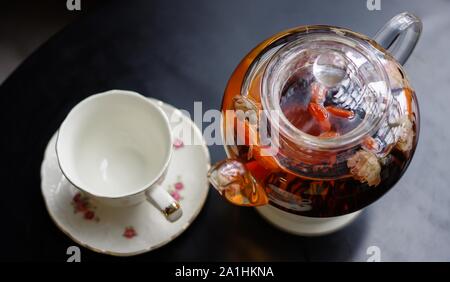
x=236 y=184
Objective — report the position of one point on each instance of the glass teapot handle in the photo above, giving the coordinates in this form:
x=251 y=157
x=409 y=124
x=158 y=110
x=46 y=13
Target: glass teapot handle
x=400 y=35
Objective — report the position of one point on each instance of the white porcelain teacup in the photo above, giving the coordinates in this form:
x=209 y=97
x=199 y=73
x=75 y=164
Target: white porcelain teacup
x=116 y=147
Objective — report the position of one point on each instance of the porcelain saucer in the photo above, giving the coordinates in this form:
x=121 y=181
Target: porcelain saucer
x=137 y=229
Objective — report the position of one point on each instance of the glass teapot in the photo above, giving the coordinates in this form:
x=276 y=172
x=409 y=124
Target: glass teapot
x=319 y=121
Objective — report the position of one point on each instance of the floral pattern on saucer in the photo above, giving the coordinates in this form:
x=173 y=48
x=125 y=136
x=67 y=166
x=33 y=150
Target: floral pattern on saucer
x=178 y=143
x=129 y=232
x=176 y=189
x=82 y=204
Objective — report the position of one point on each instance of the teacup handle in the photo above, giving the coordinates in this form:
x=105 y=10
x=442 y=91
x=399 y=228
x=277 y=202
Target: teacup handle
x=400 y=35
x=162 y=200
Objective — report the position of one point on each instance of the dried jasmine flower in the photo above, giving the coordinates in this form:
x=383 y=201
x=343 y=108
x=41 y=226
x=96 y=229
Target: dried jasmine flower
x=365 y=167
x=406 y=136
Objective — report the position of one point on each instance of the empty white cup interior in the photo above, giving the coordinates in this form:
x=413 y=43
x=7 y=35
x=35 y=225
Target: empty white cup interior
x=114 y=144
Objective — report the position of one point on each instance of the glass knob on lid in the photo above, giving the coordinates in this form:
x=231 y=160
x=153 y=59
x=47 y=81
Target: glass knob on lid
x=329 y=69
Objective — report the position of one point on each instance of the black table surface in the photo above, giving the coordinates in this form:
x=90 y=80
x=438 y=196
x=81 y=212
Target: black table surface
x=185 y=51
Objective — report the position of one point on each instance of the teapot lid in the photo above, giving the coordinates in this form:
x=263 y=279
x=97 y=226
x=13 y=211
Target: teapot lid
x=326 y=89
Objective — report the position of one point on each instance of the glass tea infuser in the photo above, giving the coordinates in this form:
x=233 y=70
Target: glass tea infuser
x=340 y=120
